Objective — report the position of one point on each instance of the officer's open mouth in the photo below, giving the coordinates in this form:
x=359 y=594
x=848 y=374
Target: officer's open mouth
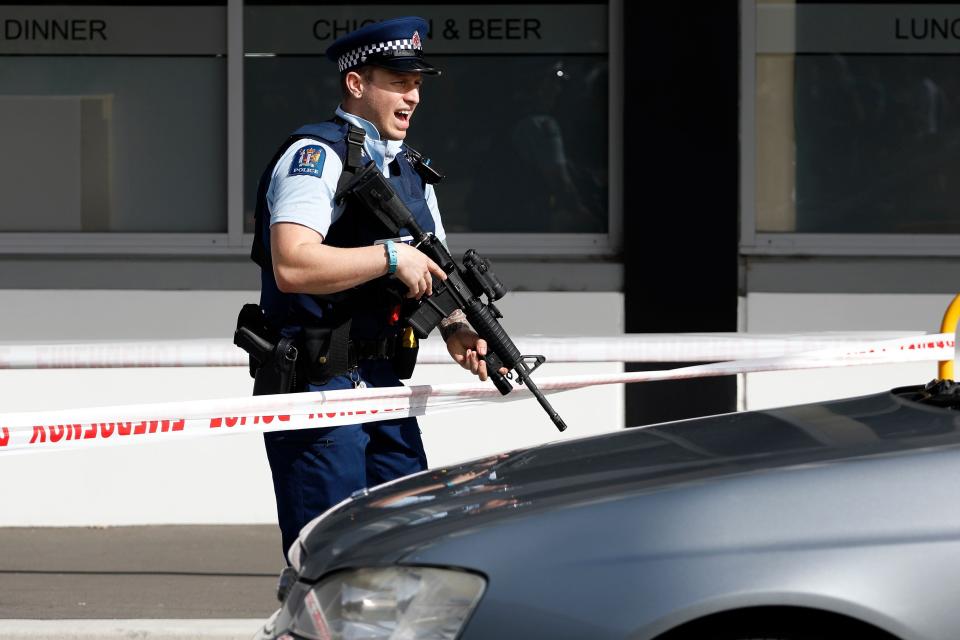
x=402 y=115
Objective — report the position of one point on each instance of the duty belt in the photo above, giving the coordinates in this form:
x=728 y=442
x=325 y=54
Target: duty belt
x=357 y=350
x=375 y=349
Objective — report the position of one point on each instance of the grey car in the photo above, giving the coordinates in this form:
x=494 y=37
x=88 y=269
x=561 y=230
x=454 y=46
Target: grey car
x=831 y=520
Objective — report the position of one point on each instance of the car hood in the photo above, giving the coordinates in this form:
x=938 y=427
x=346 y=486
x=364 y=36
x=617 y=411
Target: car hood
x=394 y=520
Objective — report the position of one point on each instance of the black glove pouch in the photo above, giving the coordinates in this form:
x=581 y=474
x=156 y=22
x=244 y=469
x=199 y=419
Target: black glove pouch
x=327 y=352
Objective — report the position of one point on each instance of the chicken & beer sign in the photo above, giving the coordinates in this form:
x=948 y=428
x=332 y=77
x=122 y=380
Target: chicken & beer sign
x=494 y=29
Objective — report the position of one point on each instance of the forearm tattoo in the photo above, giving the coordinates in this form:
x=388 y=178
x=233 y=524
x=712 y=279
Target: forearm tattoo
x=453 y=323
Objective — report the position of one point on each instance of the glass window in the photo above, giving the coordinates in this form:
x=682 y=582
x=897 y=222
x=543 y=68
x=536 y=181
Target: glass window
x=857 y=118
x=113 y=118
x=517 y=122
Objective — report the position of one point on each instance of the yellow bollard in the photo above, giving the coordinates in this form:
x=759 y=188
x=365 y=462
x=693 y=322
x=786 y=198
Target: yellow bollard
x=949 y=325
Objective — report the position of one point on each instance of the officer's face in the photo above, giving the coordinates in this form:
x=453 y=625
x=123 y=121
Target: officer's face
x=388 y=100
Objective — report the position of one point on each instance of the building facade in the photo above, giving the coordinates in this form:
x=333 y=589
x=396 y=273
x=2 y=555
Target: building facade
x=745 y=165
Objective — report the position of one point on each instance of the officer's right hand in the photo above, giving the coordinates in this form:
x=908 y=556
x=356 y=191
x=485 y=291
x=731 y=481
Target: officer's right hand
x=416 y=270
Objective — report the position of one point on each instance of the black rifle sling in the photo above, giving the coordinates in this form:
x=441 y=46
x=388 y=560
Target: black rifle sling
x=354 y=159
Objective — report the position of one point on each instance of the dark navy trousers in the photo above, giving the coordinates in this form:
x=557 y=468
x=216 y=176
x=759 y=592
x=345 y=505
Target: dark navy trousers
x=314 y=469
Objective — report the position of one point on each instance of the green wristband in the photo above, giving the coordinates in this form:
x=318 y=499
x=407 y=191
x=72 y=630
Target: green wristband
x=391 y=257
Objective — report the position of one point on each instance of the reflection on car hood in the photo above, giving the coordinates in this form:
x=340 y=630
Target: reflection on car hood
x=394 y=520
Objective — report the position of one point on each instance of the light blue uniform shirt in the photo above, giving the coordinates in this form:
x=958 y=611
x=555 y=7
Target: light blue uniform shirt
x=308 y=199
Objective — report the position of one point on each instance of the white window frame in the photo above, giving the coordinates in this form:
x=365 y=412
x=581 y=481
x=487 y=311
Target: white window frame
x=753 y=242
x=237 y=243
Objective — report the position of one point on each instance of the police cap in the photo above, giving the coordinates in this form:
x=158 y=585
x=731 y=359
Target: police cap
x=394 y=44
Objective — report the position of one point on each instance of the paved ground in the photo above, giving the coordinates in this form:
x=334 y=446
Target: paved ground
x=173 y=572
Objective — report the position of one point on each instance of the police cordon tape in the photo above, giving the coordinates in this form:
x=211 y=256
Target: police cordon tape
x=705 y=347
x=28 y=432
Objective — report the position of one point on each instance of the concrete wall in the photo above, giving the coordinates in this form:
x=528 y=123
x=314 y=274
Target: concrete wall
x=804 y=312
x=226 y=479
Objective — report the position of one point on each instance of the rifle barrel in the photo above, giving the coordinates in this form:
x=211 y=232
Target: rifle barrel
x=542 y=399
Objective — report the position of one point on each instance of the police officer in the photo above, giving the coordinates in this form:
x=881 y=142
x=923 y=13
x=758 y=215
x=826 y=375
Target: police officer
x=327 y=271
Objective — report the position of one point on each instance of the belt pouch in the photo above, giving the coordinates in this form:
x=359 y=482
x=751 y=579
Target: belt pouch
x=327 y=352
x=278 y=373
x=405 y=354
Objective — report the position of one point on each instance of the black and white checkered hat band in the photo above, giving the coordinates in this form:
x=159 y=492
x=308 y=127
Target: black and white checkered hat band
x=353 y=58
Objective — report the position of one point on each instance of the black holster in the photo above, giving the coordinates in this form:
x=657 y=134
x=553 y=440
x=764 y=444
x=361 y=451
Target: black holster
x=273 y=359
x=279 y=373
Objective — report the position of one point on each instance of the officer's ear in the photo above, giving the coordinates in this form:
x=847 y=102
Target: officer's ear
x=353 y=84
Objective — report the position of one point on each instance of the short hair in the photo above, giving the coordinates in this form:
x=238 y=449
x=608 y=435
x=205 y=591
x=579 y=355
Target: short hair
x=366 y=72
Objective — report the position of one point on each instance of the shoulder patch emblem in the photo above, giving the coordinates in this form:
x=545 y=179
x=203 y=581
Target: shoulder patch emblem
x=308 y=161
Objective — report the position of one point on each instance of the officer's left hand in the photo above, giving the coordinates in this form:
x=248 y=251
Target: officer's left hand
x=468 y=349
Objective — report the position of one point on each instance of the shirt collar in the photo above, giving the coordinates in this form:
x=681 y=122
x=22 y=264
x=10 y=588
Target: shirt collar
x=380 y=151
